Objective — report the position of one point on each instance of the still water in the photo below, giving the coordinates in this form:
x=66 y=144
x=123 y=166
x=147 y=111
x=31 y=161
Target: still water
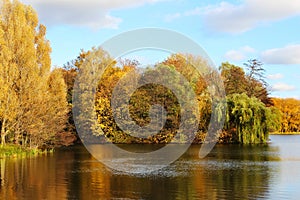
x=228 y=172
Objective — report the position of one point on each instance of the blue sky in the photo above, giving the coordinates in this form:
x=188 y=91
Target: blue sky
x=233 y=31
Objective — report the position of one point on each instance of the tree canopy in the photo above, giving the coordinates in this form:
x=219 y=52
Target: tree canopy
x=33 y=98
x=36 y=100
x=290 y=114
x=249 y=117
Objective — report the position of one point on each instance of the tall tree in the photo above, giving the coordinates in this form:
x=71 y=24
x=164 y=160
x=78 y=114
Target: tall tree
x=70 y=71
x=234 y=79
x=29 y=88
x=253 y=83
x=257 y=86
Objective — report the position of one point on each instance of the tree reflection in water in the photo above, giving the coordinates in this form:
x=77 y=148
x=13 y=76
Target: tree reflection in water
x=230 y=171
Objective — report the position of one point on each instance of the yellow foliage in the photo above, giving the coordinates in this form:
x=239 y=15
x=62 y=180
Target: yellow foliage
x=32 y=101
x=290 y=114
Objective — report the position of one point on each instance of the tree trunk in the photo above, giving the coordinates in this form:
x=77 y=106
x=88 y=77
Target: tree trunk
x=3 y=140
x=3 y=133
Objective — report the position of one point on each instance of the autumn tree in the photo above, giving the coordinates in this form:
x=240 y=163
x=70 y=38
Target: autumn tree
x=70 y=71
x=237 y=81
x=234 y=79
x=33 y=100
x=290 y=114
x=85 y=87
x=199 y=74
x=186 y=64
x=248 y=118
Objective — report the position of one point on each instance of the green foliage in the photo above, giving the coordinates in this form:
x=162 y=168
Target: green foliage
x=249 y=119
x=18 y=151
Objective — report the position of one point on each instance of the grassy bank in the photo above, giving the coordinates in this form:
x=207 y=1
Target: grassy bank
x=15 y=151
x=285 y=133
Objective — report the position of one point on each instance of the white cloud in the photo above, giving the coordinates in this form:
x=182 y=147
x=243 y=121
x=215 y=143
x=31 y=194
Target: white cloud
x=238 y=18
x=234 y=55
x=240 y=54
x=195 y=11
x=198 y=11
x=87 y=13
x=295 y=97
x=171 y=17
x=287 y=55
x=283 y=87
x=248 y=49
x=275 y=76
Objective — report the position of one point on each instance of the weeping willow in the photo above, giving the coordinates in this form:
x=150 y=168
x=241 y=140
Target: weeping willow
x=249 y=120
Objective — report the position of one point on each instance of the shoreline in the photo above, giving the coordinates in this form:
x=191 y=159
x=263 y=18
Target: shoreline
x=285 y=133
x=12 y=151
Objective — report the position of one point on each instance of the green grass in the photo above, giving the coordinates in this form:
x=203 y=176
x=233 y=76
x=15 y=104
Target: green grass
x=16 y=151
x=285 y=133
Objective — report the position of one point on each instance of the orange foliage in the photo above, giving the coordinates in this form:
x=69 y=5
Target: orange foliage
x=290 y=114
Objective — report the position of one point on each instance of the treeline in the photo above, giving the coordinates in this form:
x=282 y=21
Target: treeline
x=36 y=102
x=250 y=116
x=250 y=112
x=289 y=113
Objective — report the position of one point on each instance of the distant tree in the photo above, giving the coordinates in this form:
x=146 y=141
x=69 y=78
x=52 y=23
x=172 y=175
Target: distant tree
x=290 y=114
x=70 y=71
x=143 y=98
x=248 y=119
x=186 y=65
x=199 y=74
x=234 y=79
x=255 y=70
x=257 y=86
x=84 y=104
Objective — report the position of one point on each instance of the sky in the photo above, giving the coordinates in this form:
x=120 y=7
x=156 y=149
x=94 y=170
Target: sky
x=228 y=30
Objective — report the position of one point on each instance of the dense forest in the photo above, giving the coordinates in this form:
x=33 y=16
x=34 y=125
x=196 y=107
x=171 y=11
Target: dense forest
x=250 y=114
x=36 y=100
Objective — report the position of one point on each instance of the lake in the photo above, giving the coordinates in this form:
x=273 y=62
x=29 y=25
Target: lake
x=229 y=172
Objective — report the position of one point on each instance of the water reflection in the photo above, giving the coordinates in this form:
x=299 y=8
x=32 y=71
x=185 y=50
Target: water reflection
x=231 y=172
x=34 y=178
x=237 y=172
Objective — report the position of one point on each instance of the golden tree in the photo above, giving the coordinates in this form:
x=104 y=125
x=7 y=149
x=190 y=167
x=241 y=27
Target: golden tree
x=29 y=109
x=290 y=114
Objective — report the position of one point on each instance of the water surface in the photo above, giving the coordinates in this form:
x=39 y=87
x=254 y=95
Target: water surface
x=228 y=172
